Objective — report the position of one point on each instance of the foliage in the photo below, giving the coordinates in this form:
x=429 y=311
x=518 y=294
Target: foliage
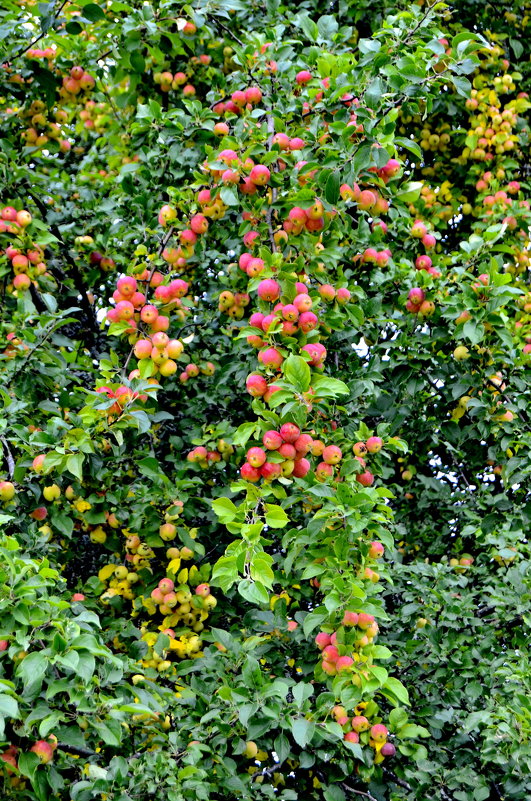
x=265 y=332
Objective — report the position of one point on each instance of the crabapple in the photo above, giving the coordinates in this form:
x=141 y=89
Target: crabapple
x=332 y=454
x=289 y=432
x=250 y=473
x=256 y=457
x=379 y=733
x=256 y=385
x=268 y=290
x=272 y=440
x=374 y=444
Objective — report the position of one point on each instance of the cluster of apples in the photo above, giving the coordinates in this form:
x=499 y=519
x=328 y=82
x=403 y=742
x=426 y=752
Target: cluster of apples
x=246 y=175
x=77 y=81
x=288 y=448
x=492 y=128
x=365 y=199
x=523 y=322
x=166 y=81
x=436 y=139
x=97 y=259
x=233 y=304
x=311 y=219
x=44 y=749
x=240 y=99
x=95 y=116
x=460 y=565
x=27 y=262
x=358 y=729
x=15 y=346
x=36 y=53
x=123 y=396
x=170 y=600
x=418 y=304
x=42 y=126
x=186 y=645
x=337 y=657
x=203 y=457
x=131 y=307
x=197 y=226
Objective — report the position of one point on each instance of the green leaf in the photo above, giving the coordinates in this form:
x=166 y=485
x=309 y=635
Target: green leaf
x=225 y=572
x=332 y=188
x=397 y=718
x=412 y=730
x=462 y=85
x=301 y=692
x=74 y=463
x=297 y=372
x=409 y=144
x=63 y=523
x=8 y=706
x=254 y=592
x=303 y=731
x=517 y=48
x=93 y=12
x=137 y=61
x=229 y=196
x=225 y=510
x=397 y=689
x=410 y=191
x=73 y=28
x=275 y=516
x=261 y=569
x=308 y=26
x=327 y=387
x=327 y=27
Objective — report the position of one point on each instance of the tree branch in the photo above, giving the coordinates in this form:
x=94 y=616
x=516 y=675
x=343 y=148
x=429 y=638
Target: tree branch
x=9 y=457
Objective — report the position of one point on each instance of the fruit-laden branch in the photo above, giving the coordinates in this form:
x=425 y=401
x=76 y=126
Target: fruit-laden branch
x=39 y=37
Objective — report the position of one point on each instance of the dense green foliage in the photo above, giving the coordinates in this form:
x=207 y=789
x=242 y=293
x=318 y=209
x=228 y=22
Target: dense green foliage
x=280 y=551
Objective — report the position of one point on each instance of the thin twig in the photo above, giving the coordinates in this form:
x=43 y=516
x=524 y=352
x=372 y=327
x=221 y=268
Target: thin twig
x=394 y=778
x=227 y=30
x=358 y=792
x=39 y=37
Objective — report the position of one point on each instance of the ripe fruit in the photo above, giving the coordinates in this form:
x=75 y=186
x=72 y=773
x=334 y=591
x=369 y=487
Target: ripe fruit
x=43 y=750
x=289 y=432
x=251 y=749
x=7 y=491
x=322 y=639
x=256 y=457
x=272 y=440
x=374 y=444
x=350 y=619
x=52 y=492
x=260 y=175
x=376 y=550
x=379 y=733
x=268 y=290
x=332 y=454
x=351 y=737
x=250 y=473
x=256 y=385
x=303 y=77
